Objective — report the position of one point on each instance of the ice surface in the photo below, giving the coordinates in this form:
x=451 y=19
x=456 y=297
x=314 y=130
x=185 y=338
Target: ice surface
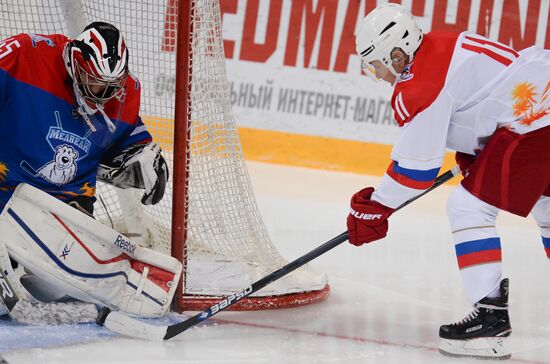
x=387 y=301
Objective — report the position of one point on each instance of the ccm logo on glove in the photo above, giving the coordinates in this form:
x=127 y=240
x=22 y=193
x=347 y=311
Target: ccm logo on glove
x=367 y=220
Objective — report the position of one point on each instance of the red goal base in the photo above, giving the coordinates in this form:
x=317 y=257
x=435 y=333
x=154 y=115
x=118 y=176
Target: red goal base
x=200 y=303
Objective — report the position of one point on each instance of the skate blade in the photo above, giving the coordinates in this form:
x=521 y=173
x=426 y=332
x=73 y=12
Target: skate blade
x=482 y=348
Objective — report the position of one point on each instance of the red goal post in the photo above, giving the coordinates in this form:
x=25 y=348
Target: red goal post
x=209 y=218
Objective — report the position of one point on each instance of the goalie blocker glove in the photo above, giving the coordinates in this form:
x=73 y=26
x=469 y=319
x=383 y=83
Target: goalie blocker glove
x=138 y=166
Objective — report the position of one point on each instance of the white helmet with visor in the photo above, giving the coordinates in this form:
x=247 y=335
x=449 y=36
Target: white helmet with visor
x=387 y=27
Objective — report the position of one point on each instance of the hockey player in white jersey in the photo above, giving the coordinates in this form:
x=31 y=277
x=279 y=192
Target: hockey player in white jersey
x=491 y=105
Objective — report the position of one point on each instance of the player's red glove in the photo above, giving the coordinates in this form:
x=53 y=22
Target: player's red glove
x=464 y=162
x=368 y=220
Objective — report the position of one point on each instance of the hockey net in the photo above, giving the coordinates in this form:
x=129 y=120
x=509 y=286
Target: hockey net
x=226 y=245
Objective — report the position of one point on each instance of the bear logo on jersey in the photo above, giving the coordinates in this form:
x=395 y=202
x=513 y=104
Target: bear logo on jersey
x=68 y=149
x=62 y=169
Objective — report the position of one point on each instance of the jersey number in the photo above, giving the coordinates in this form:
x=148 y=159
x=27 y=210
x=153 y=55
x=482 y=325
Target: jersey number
x=6 y=47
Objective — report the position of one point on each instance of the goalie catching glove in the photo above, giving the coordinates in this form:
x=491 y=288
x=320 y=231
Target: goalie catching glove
x=138 y=166
x=368 y=219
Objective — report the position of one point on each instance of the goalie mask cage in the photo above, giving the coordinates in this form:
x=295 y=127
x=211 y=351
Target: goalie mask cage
x=208 y=218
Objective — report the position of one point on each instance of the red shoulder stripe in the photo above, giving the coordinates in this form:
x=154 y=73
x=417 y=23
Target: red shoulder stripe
x=494 y=44
x=506 y=58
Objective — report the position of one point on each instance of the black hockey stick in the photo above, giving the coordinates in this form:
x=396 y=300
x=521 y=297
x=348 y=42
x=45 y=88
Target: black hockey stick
x=125 y=325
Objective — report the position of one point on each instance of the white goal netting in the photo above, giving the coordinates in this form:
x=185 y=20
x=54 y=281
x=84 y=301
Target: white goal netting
x=226 y=237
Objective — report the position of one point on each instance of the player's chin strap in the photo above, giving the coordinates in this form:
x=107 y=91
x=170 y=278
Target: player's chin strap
x=23 y=307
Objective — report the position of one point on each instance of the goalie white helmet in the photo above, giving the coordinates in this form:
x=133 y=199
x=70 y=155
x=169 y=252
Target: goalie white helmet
x=387 y=27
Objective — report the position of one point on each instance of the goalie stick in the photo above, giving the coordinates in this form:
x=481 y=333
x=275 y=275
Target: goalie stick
x=120 y=323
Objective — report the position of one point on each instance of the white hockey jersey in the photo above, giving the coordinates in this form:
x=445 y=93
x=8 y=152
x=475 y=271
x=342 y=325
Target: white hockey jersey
x=457 y=92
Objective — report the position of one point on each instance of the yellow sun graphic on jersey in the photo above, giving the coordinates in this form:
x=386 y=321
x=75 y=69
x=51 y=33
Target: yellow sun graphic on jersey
x=3 y=172
x=528 y=103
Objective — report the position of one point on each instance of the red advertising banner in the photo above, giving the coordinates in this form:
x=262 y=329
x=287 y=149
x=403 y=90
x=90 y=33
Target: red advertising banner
x=316 y=22
x=292 y=65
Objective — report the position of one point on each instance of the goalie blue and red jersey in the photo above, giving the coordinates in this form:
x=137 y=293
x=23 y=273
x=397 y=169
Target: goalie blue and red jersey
x=43 y=139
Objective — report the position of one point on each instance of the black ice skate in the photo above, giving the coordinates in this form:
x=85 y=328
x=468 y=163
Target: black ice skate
x=480 y=334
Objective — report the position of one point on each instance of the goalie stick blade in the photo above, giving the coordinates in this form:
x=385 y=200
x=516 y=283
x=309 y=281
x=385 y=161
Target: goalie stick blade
x=125 y=325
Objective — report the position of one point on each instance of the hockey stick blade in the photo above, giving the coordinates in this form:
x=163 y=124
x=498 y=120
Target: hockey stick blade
x=122 y=324
x=127 y=326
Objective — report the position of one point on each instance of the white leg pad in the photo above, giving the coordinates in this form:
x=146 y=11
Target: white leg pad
x=82 y=258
